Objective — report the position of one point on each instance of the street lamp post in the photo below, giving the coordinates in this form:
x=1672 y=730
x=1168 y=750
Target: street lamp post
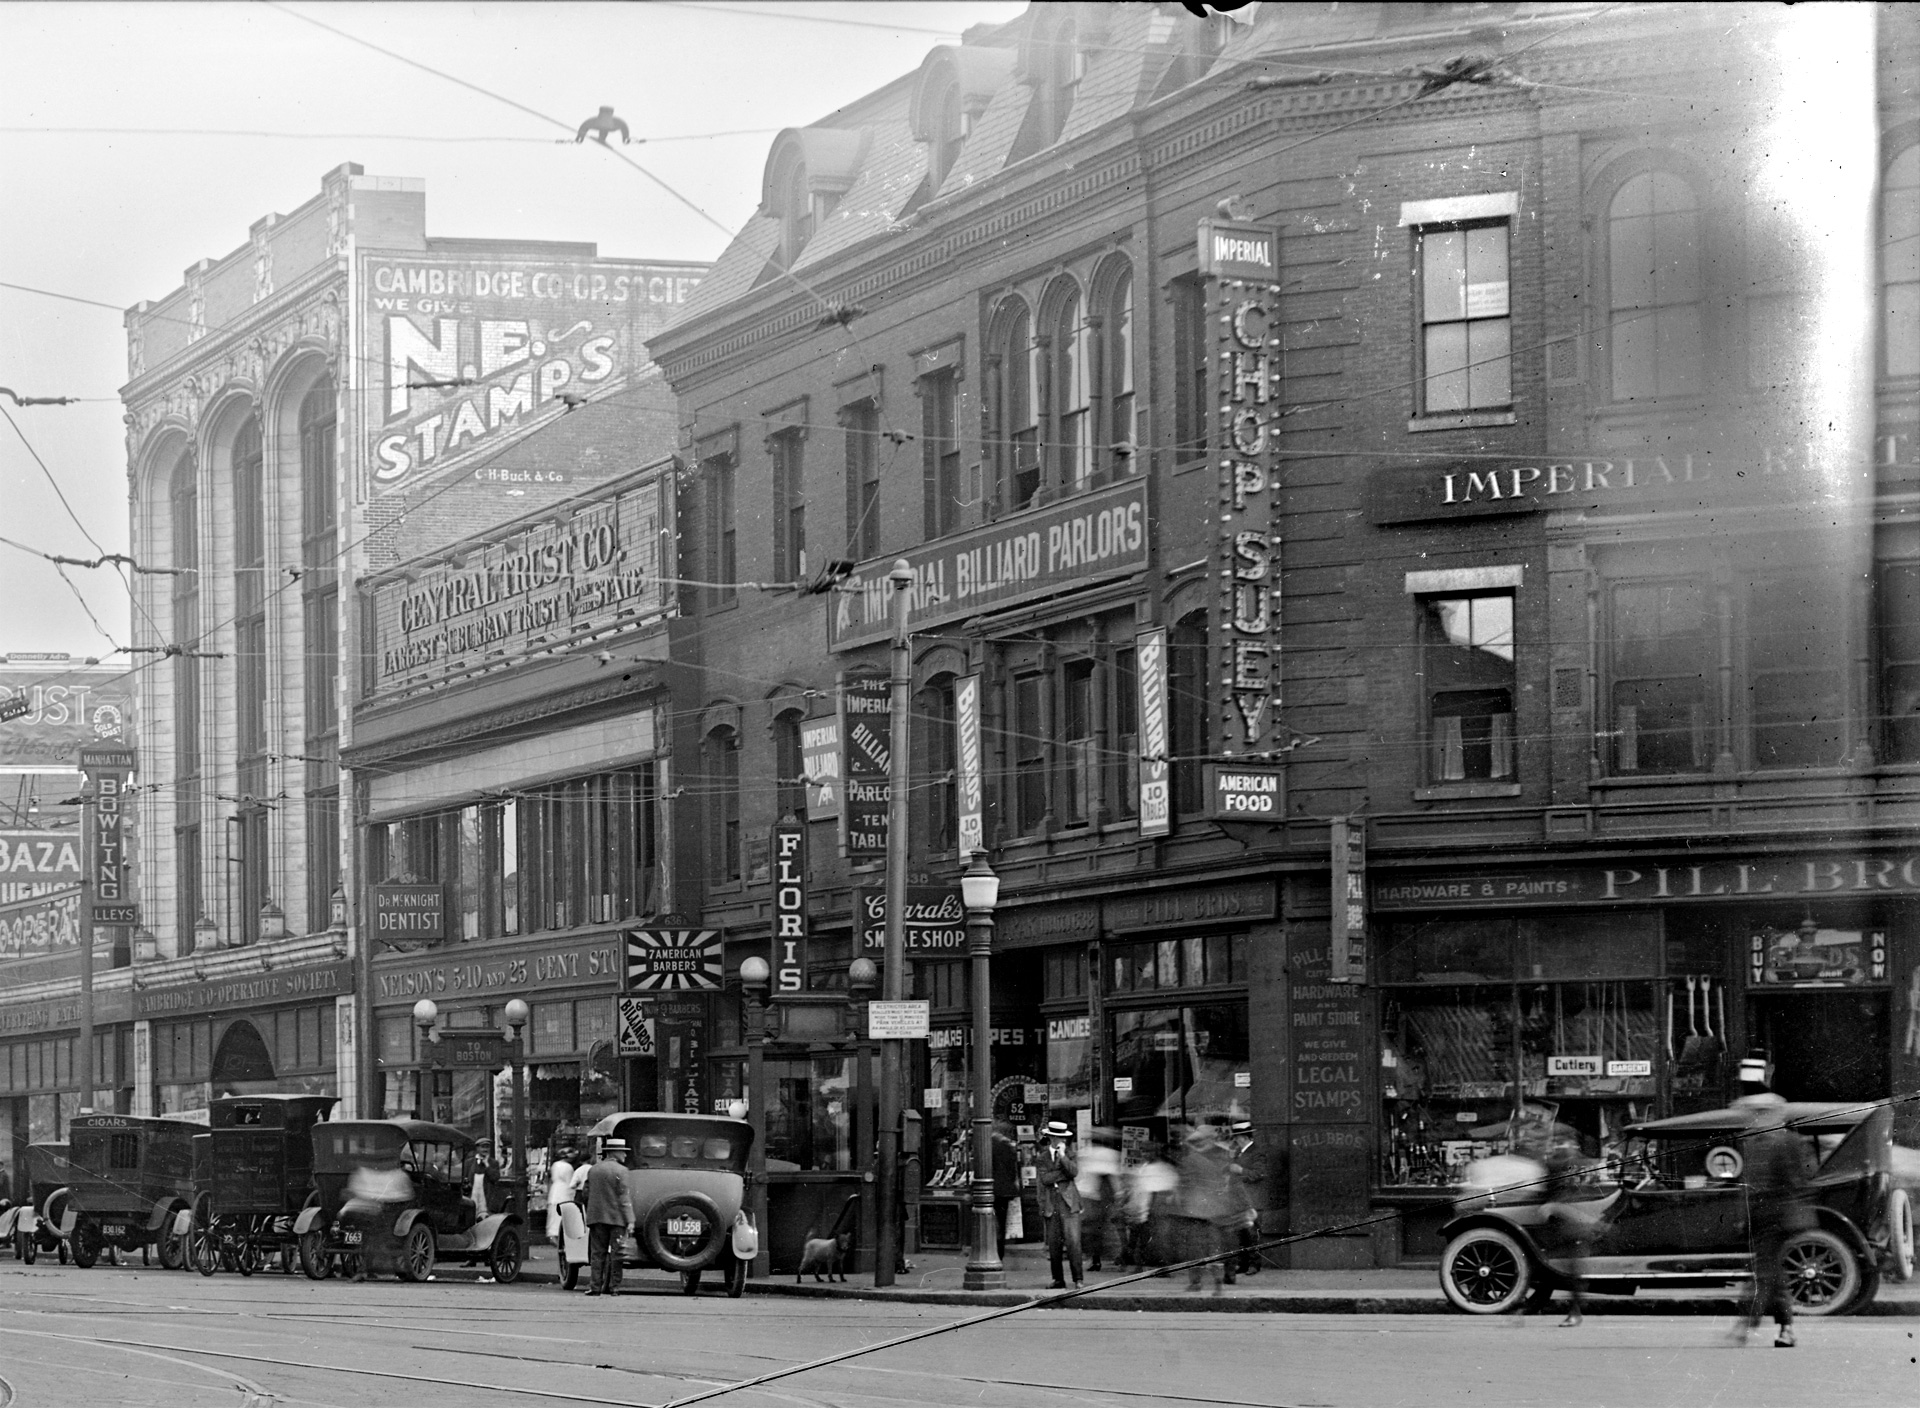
x=980 y=890
x=517 y=1014
x=425 y=1013
x=756 y=977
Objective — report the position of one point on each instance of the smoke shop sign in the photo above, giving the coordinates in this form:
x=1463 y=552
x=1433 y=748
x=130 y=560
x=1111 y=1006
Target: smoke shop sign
x=550 y=581
x=1658 y=882
x=1038 y=553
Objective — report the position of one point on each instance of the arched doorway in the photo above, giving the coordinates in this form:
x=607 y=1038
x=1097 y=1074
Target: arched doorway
x=242 y=1064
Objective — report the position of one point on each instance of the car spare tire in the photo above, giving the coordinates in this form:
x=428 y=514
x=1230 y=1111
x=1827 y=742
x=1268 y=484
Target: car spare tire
x=1900 y=1234
x=684 y=1233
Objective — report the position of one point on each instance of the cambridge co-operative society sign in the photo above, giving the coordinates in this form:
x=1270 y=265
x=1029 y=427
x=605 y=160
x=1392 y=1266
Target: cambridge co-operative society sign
x=465 y=353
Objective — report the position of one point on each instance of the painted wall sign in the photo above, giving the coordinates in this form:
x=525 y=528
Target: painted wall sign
x=282 y=985
x=1658 y=882
x=476 y=970
x=551 y=580
x=410 y=914
x=1041 y=552
x=465 y=354
x=970 y=786
x=1151 y=673
x=60 y=708
x=40 y=857
x=1348 y=855
x=1246 y=553
x=790 y=906
x=936 y=920
x=57 y=1014
x=1575 y=1065
x=1246 y=792
x=109 y=769
x=1030 y=925
x=866 y=714
x=1328 y=1043
x=820 y=765
x=40 y=925
x=674 y=960
x=1231 y=902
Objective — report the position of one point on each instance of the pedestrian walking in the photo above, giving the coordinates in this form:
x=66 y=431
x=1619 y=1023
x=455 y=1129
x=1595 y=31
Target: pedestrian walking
x=1777 y=1169
x=1204 y=1206
x=1571 y=1223
x=1151 y=1188
x=1006 y=1179
x=1099 y=1185
x=609 y=1216
x=1056 y=1170
x=1246 y=1172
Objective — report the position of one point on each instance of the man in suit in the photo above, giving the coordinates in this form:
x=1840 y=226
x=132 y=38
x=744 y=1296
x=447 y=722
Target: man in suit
x=1056 y=1169
x=609 y=1216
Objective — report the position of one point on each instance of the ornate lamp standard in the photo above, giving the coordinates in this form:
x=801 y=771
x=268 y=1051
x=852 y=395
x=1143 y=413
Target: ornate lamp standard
x=516 y=1015
x=425 y=1013
x=756 y=977
x=980 y=890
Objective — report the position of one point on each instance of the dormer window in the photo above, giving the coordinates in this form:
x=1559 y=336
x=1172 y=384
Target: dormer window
x=1057 y=76
x=949 y=133
x=796 y=212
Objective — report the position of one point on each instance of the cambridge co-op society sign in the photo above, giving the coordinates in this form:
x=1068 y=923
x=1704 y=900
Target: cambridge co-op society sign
x=465 y=352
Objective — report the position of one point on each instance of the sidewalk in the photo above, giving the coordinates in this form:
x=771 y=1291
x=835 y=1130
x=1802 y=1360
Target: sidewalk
x=935 y=1276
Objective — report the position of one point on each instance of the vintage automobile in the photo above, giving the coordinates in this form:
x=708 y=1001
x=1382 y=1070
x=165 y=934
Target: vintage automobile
x=131 y=1175
x=436 y=1222
x=252 y=1175
x=42 y=1224
x=1676 y=1218
x=687 y=1178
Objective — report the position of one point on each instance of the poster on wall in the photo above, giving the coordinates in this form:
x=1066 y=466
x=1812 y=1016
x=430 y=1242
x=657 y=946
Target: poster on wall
x=820 y=766
x=866 y=724
x=1150 y=672
x=969 y=789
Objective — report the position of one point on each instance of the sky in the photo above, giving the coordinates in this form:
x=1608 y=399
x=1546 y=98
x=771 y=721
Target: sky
x=137 y=139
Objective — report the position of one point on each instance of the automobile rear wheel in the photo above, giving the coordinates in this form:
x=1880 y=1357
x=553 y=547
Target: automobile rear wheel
x=416 y=1257
x=313 y=1254
x=173 y=1251
x=503 y=1259
x=1484 y=1271
x=692 y=1248
x=1900 y=1234
x=86 y=1245
x=1822 y=1274
x=736 y=1276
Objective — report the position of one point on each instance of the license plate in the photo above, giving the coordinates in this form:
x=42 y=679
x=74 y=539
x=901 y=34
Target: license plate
x=350 y=1239
x=113 y=1229
x=685 y=1227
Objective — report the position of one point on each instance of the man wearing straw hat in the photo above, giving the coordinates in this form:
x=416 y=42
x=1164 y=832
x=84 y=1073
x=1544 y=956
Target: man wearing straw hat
x=1776 y=1174
x=1056 y=1170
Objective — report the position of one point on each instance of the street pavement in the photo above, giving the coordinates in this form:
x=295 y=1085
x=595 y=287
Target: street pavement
x=120 y=1335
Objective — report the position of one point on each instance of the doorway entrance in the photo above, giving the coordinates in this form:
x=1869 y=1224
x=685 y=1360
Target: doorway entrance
x=1825 y=1045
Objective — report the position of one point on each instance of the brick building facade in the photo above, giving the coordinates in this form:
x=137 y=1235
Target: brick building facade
x=1514 y=502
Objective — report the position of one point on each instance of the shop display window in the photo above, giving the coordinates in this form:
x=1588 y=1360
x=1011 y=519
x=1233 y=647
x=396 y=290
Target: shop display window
x=810 y=1114
x=1181 y=1065
x=1153 y=965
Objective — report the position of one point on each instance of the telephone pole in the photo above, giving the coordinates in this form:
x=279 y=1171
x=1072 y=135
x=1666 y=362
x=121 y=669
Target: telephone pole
x=894 y=977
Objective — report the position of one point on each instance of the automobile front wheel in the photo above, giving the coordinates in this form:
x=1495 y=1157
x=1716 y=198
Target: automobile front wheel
x=26 y=1247
x=313 y=1254
x=1821 y=1273
x=86 y=1245
x=1485 y=1271
x=503 y=1259
x=173 y=1248
x=569 y=1272
x=736 y=1276
x=416 y=1257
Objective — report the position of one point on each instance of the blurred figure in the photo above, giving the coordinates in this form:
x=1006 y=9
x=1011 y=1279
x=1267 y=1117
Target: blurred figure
x=1777 y=1170
x=1099 y=1185
x=1006 y=1179
x=1570 y=1222
x=1056 y=1170
x=1203 y=1205
x=372 y=1194
x=1246 y=1171
x=609 y=1216
x=1151 y=1188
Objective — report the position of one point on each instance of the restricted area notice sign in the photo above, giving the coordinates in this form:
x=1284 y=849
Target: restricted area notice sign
x=898 y=1020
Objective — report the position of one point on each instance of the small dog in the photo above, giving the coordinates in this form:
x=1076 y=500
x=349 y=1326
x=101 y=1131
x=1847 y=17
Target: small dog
x=828 y=1254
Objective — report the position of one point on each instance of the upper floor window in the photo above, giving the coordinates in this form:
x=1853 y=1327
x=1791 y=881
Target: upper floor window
x=1654 y=288
x=1191 y=413
x=1900 y=265
x=720 y=764
x=861 y=421
x=940 y=451
x=1466 y=321
x=1015 y=373
x=796 y=212
x=1898 y=628
x=935 y=760
x=1114 y=370
x=788 y=448
x=721 y=567
x=1071 y=343
x=790 y=784
x=1054 y=71
x=1664 y=650
x=1466 y=659
x=1189 y=708
x=949 y=133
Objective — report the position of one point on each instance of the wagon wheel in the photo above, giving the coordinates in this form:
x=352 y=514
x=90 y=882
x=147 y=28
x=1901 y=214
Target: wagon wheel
x=173 y=1245
x=247 y=1257
x=203 y=1253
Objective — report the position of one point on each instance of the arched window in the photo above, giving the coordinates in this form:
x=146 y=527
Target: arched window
x=250 y=673
x=1900 y=265
x=1654 y=291
x=934 y=760
x=720 y=767
x=189 y=899
x=1070 y=342
x=796 y=211
x=320 y=617
x=949 y=133
x=1114 y=380
x=1058 y=76
x=1015 y=369
x=790 y=787
x=1191 y=709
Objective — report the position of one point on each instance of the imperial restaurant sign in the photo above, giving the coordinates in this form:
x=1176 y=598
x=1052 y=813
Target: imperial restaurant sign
x=545 y=582
x=1658 y=882
x=1038 y=553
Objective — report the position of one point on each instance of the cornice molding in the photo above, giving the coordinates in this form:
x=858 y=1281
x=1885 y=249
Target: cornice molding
x=503 y=718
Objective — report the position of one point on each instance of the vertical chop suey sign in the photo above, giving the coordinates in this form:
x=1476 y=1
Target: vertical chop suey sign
x=1244 y=304
x=466 y=353
x=550 y=581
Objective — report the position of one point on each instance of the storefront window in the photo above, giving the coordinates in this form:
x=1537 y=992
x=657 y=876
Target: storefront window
x=1181 y=1065
x=810 y=1115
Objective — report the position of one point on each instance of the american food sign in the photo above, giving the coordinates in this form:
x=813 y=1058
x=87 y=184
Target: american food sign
x=465 y=353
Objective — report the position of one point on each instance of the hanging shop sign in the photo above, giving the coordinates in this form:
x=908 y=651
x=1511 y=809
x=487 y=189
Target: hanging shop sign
x=52 y=711
x=280 y=985
x=1658 y=882
x=866 y=730
x=634 y=1035
x=1041 y=552
x=480 y=1050
x=673 y=960
x=1150 y=674
x=1349 y=900
x=1244 y=306
x=1809 y=956
x=409 y=914
x=790 y=906
x=109 y=769
x=543 y=582
x=969 y=789
x=936 y=921
x=1233 y=902
x=820 y=765
x=468 y=353
x=1246 y=792
x=474 y=969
